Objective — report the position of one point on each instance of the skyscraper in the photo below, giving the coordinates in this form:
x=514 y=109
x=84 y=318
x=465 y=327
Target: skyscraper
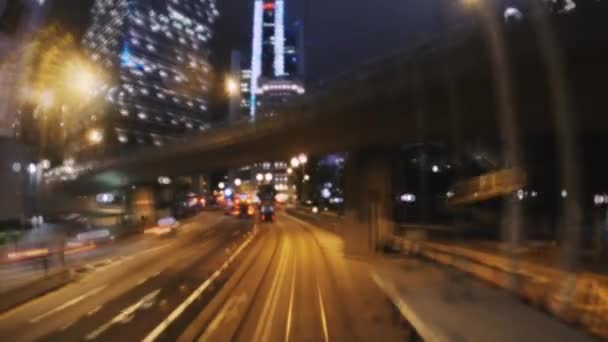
x=268 y=50
x=156 y=53
x=19 y=21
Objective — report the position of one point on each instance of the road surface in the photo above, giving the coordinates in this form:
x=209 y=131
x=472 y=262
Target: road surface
x=296 y=285
x=126 y=299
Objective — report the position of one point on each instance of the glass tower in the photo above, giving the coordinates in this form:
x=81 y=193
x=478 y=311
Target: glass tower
x=268 y=50
x=156 y=53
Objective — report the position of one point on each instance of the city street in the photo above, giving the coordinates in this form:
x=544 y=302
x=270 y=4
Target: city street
x=278 y=170
x=138 y=289
x=293 y=283
x=296 y=285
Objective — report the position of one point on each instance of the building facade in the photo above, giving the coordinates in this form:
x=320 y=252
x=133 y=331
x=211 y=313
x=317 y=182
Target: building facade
x=276 y=59
x=156 y=56
x=19 y=21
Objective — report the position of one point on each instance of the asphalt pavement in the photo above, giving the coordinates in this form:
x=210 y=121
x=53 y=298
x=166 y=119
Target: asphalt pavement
x=128 y=295
x=296 y=285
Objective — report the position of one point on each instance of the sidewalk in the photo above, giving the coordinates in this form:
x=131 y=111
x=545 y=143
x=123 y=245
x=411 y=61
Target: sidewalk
x=443 y=304
x=447 y=305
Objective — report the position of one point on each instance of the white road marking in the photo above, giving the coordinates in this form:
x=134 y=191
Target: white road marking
x=323 y=318
x=67 y=304
x=154 y=334
x=291 y=295
x=141 y=281
x=67 y=326
x=265 y=321
x=125 y=314
x=228 y=313
x=94 y=311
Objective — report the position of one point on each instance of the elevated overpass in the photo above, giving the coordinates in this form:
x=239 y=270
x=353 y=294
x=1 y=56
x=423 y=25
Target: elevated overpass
x=441 y=91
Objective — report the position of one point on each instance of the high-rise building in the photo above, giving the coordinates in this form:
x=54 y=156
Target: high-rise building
x=156 y=53
x=245 y=91
x=276 y=67
x=267 y=53
x=19 y=21
x=294 y=51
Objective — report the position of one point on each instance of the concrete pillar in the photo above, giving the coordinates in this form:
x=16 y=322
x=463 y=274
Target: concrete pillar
x=368 y=201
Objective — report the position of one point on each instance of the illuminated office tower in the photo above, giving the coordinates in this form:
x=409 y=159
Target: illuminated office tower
x=156 y=53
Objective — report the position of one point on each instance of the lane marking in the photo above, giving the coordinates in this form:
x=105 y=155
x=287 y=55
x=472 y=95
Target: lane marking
x=264 y=320
x=323 y=318
x=141 y=281
x=291 y=295
x=94 y=311
x=67 y=304
x=273 y=307
x=124 y=314
x=67 y=326
x=154 y=334
x=228 y=313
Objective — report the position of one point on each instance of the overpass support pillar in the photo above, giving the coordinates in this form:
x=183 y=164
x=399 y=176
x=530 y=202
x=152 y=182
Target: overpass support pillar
x=368 y=203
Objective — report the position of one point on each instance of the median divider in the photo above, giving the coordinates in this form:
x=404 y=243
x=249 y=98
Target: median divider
x=39 y=287
x=576 y=298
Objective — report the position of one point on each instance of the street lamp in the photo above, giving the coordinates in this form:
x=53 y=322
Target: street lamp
x=221 y=185
x=31 y=168
x=232 y=86
x=306 y=178
x=46 y=99
x=295 y=162
x=259 y=177
x=268 y=177
x=46 y=164
x=289 y=171
x=82 y=79
x=16 y=167
x=302 y=158
x=238 y=182
x=95 y=136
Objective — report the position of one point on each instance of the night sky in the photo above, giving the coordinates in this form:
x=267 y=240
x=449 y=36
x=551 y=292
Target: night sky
x=340 y=34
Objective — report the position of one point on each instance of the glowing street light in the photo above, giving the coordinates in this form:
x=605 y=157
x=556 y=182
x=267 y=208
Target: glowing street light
x=82 y=79
x=259 y=177
x=232 y=87
x=16 y=167
x=268 y=177
x=295 y=162
x=238 y=182
x=221 y=185
x=46 y=99
x=31 y=168
x=302 y=158
x=306 y=178
x=95 y=136
x=289 y=171
x=46 y=164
